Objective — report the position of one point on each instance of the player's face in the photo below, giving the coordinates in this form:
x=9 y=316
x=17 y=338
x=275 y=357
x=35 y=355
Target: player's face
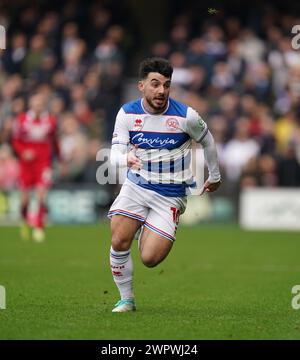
x=37 y=103
x=156 y=90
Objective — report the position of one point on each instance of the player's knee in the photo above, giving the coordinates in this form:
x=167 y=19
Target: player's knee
x=149 y=260
x=119 y=243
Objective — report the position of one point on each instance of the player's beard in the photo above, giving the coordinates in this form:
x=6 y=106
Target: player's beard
x=157 y=104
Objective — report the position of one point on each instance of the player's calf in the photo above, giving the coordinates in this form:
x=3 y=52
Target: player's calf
x=152 y=260
x=154 y=248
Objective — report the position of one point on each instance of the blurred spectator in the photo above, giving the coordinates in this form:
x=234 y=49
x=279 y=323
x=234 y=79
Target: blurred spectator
x=100 y=21
x=60 y=85
x=74 y=67
x=181 y=74
x=57 y=107
x=14 y=55
x=228 y=108
x=266 y=127
x=197 y=79
x=35 y=55
x=12 y=88
x=179 y=38
x=222 y=78
x=73 y=144
x=9 y=169
x=289 y=167
x=83 y=113
x=108 y=52
x=239 y=150
x=284 y=130
x=268 y=171
x=69 y=38
x=235 y=61
x=214 y=43
x=91 y=165
x=160 y=49
x=196 y=56
x=92 y=90
x=252 y=49
x=28 y=20
x=43 y=73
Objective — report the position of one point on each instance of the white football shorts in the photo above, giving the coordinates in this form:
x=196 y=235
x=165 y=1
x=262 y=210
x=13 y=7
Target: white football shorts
x=157 y=212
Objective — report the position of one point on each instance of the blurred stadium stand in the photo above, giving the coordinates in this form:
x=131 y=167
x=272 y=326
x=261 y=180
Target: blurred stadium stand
x=233 y=62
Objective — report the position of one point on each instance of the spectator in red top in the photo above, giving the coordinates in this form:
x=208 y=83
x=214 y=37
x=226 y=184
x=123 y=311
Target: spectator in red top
x=34 y=141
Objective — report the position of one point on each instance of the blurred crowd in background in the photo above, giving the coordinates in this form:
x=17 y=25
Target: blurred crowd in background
x=241 y=74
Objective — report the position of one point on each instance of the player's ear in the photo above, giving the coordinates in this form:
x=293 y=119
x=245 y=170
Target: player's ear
x=141 y=85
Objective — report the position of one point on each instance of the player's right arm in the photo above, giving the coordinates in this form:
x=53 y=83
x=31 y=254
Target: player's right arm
x=120 y=156
x=21 y=149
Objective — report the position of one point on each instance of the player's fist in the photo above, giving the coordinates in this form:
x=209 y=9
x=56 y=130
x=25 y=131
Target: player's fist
x=210 y=187
x=132 y=160
x=28 y=155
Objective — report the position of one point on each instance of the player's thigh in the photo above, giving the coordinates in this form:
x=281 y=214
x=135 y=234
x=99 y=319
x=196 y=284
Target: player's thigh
x=160 y=228
x=154 y=247
x=128 y=212
x=26 y=179
x=164 y=214
x=43 y=177
x=130 y=202
x=123 y=229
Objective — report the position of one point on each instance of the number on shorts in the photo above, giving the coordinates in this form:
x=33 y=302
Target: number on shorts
x=176 y=214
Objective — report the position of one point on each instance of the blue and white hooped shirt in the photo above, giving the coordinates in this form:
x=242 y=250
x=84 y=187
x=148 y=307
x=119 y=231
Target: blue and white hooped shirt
x=164 y=144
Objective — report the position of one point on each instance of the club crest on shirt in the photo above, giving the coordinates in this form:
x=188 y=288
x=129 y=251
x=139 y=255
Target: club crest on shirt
x=138 y=124
x=172 y=124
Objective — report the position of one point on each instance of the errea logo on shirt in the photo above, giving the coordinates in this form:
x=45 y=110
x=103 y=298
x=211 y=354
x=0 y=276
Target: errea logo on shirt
x=138 y=124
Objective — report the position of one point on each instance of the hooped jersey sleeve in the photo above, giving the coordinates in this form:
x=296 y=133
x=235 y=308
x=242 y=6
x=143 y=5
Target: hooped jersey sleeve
x=198 y=130
x=121 y=131
x=120 y=141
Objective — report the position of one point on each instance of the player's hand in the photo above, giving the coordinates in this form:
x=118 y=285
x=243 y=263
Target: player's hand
x=210 y=187
x=132 y=160
x=28 y=155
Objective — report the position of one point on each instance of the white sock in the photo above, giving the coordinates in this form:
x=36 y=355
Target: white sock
x=122 y=270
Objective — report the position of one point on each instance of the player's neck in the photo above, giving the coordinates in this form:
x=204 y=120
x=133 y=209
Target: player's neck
x=149 y=109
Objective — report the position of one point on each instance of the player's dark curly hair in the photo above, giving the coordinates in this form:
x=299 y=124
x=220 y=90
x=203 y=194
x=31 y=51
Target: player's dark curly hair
x=155 y=64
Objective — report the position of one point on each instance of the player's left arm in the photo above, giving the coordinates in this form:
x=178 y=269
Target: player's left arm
x=198 y=130
x=211 y=158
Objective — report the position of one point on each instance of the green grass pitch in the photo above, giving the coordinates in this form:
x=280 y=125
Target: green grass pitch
x=219 y=282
